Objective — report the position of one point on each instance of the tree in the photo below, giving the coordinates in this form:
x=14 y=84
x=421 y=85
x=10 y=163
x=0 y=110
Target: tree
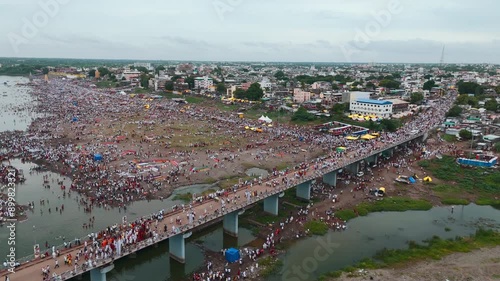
x=190 y=81
x=391 y=84
x=254 y=92
x=370 y=85
x=302 y=115
x=280 y=75
x=221 y=88
x=45 y=70
x=144 y=80
x=455 y=111
x=92 y=73
x=427 y=76
x=497 y=147
x=429 y=85
x=391 y=125
x=169 y=86
x=142 y=69
x=491 y=105
x=469 y=88
x=159 y=68
x=103 y=71
x=416 y=98
x=240 y=93
x=464 y=134
x=338 y=108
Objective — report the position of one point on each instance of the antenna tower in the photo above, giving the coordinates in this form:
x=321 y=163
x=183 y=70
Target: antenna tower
x=441 y=62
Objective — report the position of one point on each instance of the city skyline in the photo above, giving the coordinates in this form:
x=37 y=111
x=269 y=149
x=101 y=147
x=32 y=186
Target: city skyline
x=392 y=31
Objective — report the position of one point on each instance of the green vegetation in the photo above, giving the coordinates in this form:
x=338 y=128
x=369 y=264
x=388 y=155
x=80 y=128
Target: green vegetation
x=491 y=105
x=455 y=201
x=301 y=115
x=466 y=179
x=495 y=203
x=316 y=227
x=106 y=84
x=449 y=138
x=391 y=204
x=254 y=93
x=467 y=100
x=270 y=266
x=20 y=69
x=434 y=248
x=455 y=111
x=429 y=85
x=191 y=99
x=416 y=98
x=388 y=83
x=186 y=197
x=470 y=88
x=465 y=134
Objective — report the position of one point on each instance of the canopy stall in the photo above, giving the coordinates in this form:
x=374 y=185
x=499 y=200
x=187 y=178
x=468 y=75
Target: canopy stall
x=97 y=157
x=232 y=255
x=340 y=149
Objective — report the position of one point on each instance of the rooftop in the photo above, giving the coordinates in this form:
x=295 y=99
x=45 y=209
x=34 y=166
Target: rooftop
x=379 y=102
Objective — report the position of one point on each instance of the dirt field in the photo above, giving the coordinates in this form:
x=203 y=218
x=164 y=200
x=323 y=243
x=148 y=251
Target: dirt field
x=480 y=265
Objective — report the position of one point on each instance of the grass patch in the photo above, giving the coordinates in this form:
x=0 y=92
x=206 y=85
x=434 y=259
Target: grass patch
x=106 y=84
x=434 y=248
x=270 y=266
x=316 y=227
x=495 y=203
x=186 y=197
x=455 y=201
x=191 y=99
x=345 y=214
x=449 y=138
x=394 y=204
x=466 y=178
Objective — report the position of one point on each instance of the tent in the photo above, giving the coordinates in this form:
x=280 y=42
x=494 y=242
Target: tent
x=97 y=157
x=382 y=189
x=412 y=180
x=352 y=138
x=341 y=149
x=75 y=119
x=367 y=137
x=428 y=179
x=268 y=120
x=232 y=255
x=262 y=118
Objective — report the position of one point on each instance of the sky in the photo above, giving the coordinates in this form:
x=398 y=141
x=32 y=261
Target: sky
x=254 y=30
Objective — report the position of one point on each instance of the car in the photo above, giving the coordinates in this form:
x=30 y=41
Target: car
x=360 y=174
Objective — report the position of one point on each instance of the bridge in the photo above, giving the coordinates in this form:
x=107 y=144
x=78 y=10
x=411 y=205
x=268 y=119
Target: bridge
x=268 y=190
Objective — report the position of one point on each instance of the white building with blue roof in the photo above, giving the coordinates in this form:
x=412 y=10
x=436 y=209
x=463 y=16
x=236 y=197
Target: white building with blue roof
x=379 y=108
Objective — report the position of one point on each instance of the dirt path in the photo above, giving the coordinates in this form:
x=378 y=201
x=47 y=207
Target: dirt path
x=480 y=265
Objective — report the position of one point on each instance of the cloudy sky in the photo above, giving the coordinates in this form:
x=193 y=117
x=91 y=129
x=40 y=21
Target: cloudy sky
x=253 y=30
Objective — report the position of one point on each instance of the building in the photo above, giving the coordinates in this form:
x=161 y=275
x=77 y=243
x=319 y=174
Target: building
x=380 y=108
x=147 y=65
x=203 y=82
x=348 y=97
x=300 y=96
x=399 y=105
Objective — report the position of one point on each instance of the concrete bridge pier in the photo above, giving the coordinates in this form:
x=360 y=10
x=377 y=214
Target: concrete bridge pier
x=99 y=274
x=371 y=160
x=330 y=178
x=304 y=190
x=230 y=223
x=353 y=168
x=271 y=204
x=177 y=246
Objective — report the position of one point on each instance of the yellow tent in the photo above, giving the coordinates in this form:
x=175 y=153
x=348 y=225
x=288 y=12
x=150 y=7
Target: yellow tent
x=246 y=127
x=375 y=134
x=352 y=137
x=382 y=189
x=240 y=114
x=367 y=137
x=428 y=179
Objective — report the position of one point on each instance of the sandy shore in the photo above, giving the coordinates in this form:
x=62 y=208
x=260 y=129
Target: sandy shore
x=480 y=265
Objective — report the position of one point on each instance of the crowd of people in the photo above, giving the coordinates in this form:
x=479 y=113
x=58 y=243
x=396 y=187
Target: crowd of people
x=115 y=180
